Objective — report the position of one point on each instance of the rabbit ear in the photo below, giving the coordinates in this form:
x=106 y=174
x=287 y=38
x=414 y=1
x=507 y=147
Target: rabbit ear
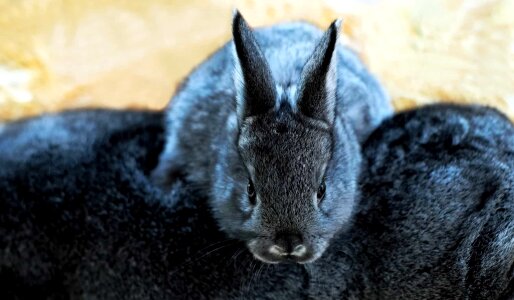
x=318 y=82
x=255 y=88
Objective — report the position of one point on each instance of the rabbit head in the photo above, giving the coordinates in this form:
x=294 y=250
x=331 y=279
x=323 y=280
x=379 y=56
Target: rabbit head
x=288 y=184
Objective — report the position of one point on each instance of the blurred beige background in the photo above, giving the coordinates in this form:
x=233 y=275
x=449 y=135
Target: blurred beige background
x=57 y=54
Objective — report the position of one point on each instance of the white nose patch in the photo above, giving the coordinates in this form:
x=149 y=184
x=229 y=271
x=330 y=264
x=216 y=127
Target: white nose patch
x=277 y=250
x=299 y=250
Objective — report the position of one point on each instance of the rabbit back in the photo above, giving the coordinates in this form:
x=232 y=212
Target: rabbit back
x=436 y=213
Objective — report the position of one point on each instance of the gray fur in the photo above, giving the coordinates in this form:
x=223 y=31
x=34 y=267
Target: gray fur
x=283 y=108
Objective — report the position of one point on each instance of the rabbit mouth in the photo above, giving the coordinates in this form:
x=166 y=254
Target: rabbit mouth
x=265 y=260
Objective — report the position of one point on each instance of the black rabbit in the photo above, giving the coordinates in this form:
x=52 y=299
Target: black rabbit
x=80 y=218
x=436 y=219
x=269 y=127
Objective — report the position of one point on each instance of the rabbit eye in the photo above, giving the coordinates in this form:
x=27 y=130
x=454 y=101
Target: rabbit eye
x=321 y=191
x=250 y=190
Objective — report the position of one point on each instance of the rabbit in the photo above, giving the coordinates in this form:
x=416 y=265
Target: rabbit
x=80 y=219
x=269 y=126
x=436 y=216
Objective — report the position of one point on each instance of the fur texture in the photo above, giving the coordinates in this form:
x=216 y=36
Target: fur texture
x=436 y=218
x=277 y=111
x=80 y=219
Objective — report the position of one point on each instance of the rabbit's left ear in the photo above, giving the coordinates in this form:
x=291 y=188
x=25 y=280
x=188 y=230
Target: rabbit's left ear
x=318 y=82
x=255 y=87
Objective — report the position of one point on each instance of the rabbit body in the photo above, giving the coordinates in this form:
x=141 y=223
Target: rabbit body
x=80 y=217
x=436 y=216
x=278 y=111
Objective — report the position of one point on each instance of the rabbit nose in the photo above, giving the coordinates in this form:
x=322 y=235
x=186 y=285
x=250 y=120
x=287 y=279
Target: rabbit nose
x=288 y=244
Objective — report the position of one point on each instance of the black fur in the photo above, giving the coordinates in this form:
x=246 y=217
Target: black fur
x=436 y=219
x=79 y=217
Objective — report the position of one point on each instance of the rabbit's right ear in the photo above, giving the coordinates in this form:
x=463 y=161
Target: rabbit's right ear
x=255 y=88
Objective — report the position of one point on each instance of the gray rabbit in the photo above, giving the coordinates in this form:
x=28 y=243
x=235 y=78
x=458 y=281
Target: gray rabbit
x=269 y=126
